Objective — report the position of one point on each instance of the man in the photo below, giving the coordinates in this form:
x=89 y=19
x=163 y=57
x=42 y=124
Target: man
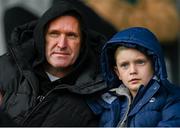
x=51 y=70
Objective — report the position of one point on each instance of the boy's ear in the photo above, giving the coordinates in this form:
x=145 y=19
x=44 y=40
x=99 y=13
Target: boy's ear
x=117 y=72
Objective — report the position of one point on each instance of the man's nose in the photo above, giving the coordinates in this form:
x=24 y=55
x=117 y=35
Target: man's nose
x=62 y=42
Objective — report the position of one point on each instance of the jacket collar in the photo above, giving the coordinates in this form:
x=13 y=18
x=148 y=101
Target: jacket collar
x=147 y=97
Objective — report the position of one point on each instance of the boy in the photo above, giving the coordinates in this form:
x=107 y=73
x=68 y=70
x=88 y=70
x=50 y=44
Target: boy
x=141 y=96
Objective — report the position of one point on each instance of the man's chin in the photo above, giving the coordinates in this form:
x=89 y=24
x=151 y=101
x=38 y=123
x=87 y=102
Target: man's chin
x=60 y=66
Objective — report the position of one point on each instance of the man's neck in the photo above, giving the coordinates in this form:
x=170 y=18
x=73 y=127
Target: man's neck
x=51 y=77
x=56 y=72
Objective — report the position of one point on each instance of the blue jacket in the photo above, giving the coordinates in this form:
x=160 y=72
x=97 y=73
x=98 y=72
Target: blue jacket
x=155 y=105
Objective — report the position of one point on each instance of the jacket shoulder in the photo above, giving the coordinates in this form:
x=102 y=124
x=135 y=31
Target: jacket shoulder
x=8 y=69
x=6 y=62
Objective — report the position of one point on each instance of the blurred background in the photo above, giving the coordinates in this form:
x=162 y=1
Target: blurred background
x=107 y=17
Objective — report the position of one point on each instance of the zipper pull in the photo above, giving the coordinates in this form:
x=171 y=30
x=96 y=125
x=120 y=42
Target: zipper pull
x=40 y=98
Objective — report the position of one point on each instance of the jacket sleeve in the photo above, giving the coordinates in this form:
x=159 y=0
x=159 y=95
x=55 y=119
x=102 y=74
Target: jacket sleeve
x=5 y=120
x=8 y=71
x=108 y=108
x=171 y=114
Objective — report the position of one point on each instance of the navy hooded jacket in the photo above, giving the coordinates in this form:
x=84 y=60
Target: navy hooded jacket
x=155 y=105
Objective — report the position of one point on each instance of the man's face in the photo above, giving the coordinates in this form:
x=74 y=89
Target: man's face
x=63 y=41
x=133 y=68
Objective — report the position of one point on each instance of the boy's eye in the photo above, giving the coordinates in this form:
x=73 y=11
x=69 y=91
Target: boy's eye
x=140 y=62
x=124 y=65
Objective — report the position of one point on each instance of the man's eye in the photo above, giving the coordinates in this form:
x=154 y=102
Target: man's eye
x=53 y=34
x=72 y=35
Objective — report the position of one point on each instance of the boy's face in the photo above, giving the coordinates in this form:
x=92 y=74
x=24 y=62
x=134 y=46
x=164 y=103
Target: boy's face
x=133 y=68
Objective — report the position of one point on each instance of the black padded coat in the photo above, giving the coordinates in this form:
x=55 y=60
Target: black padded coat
x=30 y=98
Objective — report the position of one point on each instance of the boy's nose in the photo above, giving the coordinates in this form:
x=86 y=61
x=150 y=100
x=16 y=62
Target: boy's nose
x=132 y=69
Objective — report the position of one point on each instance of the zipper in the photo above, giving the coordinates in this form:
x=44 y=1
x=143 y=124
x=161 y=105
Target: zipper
x=121 y=91
x=122 y=123
x=41 y=99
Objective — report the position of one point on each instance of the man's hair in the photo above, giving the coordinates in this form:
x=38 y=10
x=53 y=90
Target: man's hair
x=70 y=13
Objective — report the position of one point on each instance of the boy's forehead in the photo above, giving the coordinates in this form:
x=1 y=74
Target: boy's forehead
x=139 y=49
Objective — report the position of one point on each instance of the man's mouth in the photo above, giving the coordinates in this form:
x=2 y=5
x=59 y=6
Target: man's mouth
x=61 y=53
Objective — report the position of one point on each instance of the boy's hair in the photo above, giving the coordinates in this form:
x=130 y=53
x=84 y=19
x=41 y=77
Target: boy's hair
x=142 y=50
x=119 y=48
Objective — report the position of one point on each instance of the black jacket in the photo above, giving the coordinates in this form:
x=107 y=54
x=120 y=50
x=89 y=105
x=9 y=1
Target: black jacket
x=27 y=96
x=5 y=120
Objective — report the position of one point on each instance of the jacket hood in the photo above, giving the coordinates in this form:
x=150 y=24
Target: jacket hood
x=137 y=37
x=27 y=46
x=30 y=37
x=59 y=9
